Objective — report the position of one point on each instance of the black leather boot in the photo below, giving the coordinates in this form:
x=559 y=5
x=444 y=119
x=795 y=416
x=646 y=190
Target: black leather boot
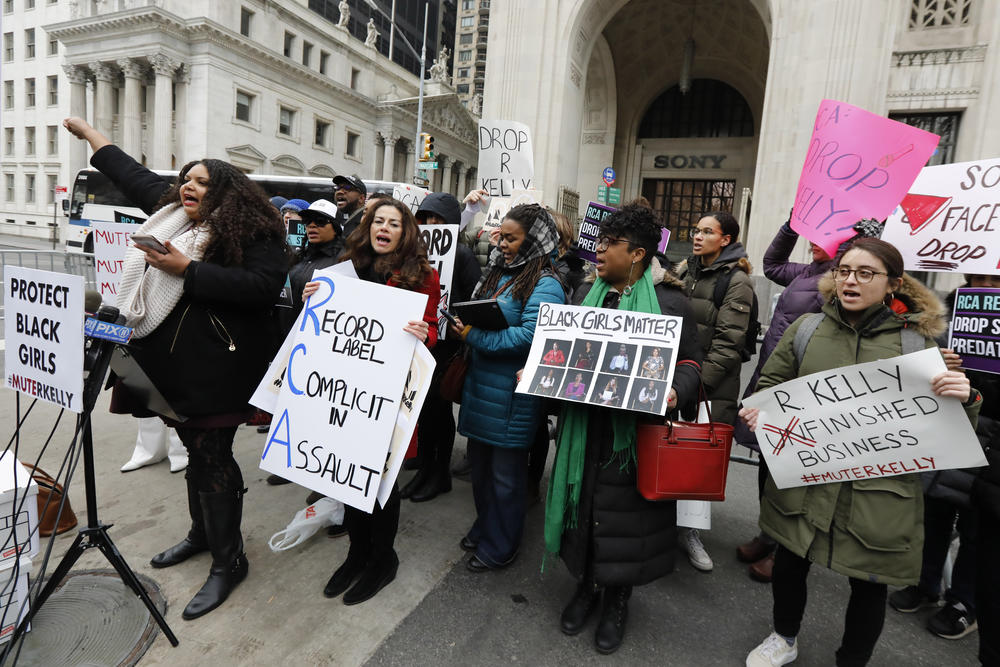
x=580 y=607
x=415 y=483
x=378 y=574
x=195 y=541
x=346 y=573
x=223 y=512
x=611 y=627
x=439 y=482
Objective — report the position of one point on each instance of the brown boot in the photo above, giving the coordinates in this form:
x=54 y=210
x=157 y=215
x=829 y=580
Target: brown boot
x=754 y=550
x=761 y=570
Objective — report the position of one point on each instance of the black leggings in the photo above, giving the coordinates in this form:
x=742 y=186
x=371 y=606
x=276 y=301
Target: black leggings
x=865 y=609
x=210 y=458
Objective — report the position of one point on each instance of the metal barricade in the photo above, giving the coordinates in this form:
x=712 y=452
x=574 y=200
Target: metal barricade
x=59 y=261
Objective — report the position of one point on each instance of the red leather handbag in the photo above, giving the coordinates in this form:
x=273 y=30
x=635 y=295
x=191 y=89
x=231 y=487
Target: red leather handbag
x=683 y=460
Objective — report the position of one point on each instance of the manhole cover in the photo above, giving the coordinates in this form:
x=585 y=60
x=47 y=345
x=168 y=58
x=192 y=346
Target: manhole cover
x=92 y=619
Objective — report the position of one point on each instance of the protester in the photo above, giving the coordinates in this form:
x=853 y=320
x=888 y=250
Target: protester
x=476 y=236
x=499 y=424
x=277 y=201
x=436 y=427
x=290 y=210
x=718 y=255
x=154 y=442
x=609 y=536
x=800 y=296
x=349 y=195
x=569 y=266
x=870 y=530
x=385 y=249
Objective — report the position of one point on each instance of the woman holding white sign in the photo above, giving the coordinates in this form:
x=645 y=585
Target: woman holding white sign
x=609 y=536
x=871 y=530
x=385 y=249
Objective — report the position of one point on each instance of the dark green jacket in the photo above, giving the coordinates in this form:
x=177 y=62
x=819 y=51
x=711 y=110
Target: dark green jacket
x=870 y=529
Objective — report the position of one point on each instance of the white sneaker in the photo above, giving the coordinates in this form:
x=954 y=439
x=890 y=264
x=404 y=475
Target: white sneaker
x=773 y=651
x=691 y=543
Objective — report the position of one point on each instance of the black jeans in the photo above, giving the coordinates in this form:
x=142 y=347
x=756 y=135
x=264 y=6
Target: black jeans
x=939 y=519
x=865 y=609
x=436 y=431
x=988 y=587
x=210 y=458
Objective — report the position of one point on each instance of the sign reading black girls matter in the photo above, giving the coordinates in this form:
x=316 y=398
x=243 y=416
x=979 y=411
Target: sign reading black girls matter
x=611 y=358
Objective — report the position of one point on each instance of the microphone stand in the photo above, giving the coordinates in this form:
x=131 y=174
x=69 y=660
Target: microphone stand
x=95 y=533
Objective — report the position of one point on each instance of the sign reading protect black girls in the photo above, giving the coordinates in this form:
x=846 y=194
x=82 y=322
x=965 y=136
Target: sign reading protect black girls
x=610 y=358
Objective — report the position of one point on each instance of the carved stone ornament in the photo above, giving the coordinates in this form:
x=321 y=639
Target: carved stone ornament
x=372 y=38
x=345 y=14
x=439 y=70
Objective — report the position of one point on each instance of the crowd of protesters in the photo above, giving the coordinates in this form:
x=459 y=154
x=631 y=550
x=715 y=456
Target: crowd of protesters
x=227 y=262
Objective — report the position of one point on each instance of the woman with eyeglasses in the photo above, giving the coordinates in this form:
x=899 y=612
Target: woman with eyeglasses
x=870 y=531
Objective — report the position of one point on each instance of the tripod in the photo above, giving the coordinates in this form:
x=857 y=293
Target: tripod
x=95 y=534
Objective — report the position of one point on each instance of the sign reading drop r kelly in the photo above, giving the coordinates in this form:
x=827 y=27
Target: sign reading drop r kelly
x=506 y=161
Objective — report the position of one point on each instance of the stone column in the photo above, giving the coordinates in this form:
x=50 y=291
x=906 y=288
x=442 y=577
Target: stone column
x=409 y=171
x=132 y=108
x=446 y=180
x=388 y=155
x=463 y=186
x=162 y=141
x=103 y=98
x=180 y=113
x=77 y=77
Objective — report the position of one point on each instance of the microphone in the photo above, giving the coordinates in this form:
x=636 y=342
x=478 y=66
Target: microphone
x=92 y=301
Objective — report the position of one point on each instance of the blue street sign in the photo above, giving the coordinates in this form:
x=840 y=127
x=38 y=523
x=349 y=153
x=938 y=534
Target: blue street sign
x=608 y=175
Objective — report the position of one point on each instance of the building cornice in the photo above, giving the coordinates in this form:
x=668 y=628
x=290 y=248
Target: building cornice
x=945 y=56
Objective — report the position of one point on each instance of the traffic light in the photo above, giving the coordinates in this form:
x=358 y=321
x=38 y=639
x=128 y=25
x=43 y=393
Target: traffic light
x=427 y=150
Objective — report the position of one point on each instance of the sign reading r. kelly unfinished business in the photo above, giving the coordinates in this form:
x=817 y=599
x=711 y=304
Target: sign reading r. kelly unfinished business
x=975 y=328
x=337 y=406
x=43 y=330
x=877 y=419
x=613 y=358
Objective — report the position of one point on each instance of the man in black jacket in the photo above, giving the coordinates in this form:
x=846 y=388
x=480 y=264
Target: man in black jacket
x=349 y=195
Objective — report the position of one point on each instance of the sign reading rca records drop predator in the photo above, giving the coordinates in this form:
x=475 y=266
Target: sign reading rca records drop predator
x=975 y=328
x=877 y=419
x=506 y=160
x=43 y=332
x=338 y=403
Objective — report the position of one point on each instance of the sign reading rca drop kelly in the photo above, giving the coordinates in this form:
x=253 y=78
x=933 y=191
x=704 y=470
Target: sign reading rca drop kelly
x=339 y=400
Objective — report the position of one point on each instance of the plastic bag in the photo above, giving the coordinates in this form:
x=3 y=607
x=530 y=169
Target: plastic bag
x=324 y=512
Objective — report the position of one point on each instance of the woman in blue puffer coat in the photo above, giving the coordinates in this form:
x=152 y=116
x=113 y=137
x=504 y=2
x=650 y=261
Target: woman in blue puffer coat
x=500 y=424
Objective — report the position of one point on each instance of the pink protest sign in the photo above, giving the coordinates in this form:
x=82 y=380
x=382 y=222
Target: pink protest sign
x=859 y=165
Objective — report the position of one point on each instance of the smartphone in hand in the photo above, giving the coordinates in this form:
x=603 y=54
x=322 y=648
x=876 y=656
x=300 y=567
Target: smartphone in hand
x=150 y=243
x=448 y=316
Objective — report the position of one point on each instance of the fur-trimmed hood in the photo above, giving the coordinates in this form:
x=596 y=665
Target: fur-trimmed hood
x=923 y=308
x=741 y=263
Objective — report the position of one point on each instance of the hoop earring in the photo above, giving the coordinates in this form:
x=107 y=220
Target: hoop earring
x=628 y=286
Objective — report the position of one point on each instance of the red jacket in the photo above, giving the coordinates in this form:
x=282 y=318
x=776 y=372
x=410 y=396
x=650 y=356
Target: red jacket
x=432 y=288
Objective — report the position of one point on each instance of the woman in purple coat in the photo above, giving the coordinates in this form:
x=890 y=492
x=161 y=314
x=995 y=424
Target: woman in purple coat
x=800 y=296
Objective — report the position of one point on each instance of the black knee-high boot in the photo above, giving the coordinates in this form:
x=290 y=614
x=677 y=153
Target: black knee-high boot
x=195 y=542
x=222 y=511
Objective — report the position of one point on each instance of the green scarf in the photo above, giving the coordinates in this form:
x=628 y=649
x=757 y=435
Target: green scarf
x=563 y=497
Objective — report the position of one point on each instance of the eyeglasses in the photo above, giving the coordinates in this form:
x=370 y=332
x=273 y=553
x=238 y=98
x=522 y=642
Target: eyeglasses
x=863 y=276
x=319 y=223
x=344 y=187
x=605 y=242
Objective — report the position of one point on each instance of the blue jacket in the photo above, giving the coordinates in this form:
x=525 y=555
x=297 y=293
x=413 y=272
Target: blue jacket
x=491 y=411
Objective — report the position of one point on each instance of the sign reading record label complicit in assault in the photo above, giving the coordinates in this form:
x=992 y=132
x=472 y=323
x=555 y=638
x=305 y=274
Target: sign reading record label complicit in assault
x=877 y=419
x=43 y=330
x=338 y=403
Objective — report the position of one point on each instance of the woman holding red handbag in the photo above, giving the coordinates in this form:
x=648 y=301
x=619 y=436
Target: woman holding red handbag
x=609 y=536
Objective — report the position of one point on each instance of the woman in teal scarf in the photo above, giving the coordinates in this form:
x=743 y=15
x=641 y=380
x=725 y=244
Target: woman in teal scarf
x=609 y=536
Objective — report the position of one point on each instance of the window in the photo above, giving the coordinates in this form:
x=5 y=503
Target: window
x=53 y=90
x=463 y=73
x=324 y=59
x=322 y=130
x=289 y=40
x=355 y=78
x=9 y=186
x=468 y=5
x=8 y=94
x=307 y=49
x=29 y=4
x=468 y=21
x=29 y=141
x=286 y=118
x=710 y=109
x=52 y=132
x=939 y=13
x=29 y=43
x=8 y=141
x=53 y=46
x=945 y=125
x=8 y=47
x=244 y=106
x=8 y=6
x=246 y=16
x=29 y=188
x=353 y=144
x=29 y=93
x=465 y=56
x=463 y=88
x=465 y=38
x=50 y=181
x=680 y=204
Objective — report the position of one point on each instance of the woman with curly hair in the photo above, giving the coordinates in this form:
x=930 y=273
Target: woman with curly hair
x=385 y=249
x=202 y=332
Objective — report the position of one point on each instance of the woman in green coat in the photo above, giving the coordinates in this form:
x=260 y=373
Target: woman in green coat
x=872 y=530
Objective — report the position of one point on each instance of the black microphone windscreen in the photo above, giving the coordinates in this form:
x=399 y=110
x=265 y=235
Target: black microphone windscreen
x=92 y=301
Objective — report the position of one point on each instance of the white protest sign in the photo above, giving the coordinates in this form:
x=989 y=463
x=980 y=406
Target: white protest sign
x=418 y=381
x=614 y=358
x=441 y=242
x=694 y=514
x=877 y=419
x=43 y=331
x=337 y=407
x=500 y=206
x=950 y=218
x=506 y=161
x=110 y=242
x=411 y=195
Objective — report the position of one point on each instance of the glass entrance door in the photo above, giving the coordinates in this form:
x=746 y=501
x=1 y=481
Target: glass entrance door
x=681 y=202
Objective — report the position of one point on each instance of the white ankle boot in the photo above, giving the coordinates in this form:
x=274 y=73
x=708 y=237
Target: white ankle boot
x=150 y=444
x=177 y=453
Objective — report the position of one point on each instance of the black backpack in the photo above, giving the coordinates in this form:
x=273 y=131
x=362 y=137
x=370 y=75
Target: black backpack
x=753 y=326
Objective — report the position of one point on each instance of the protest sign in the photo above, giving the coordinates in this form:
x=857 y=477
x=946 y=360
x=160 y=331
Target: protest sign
x=975 y=328
x=441 y=242
x=877 y=419
x=341 y=390
x=613 y=358
x=950 y=219
x=506 y=160
x=111 y=239
x=296 y=233
x=500 y=206
x=859 y=165
x=411 y=195
x=43 y=331
x=590 y=229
